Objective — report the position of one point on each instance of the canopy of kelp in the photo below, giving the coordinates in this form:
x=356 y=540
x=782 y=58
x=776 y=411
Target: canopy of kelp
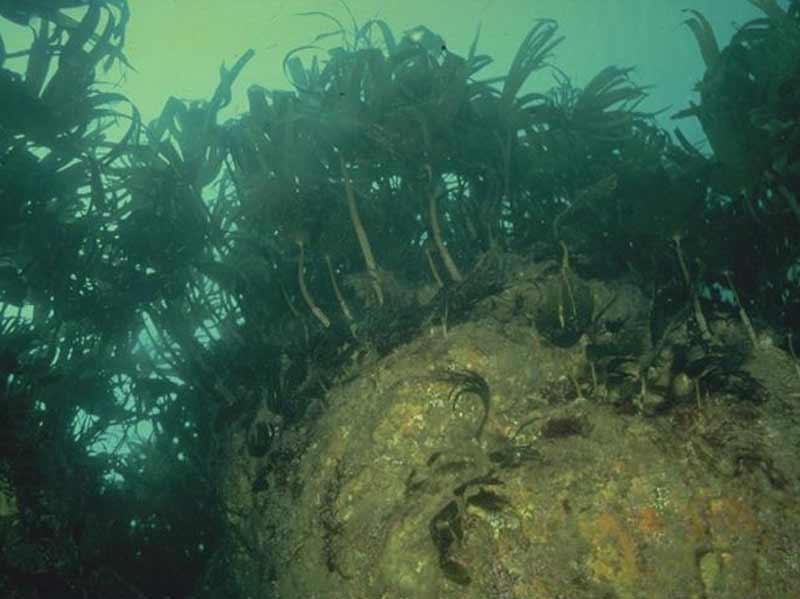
x=192 y=271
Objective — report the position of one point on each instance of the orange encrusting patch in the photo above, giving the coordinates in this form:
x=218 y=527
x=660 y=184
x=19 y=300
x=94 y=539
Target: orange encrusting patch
x=649 y=521
x=615 y=555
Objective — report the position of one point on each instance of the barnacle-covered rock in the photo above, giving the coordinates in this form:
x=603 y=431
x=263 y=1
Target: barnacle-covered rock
x=400 y=497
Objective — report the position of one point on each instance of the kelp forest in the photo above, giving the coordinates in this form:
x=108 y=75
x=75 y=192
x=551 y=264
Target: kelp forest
x=401 y=330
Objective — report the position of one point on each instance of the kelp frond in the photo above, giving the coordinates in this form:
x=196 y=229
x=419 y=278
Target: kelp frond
x=609 y=87
x=531 y=56
x=361 y=35
x=606 y=107
x=771 y=8
x=704 y=34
